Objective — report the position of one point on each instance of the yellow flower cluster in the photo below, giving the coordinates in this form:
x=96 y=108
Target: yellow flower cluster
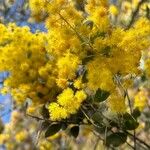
x=141 y=99
x=4 y=138
x=45 y=145
x=126 y=9
x=17 y=133
x=117 y=103
x=45 y=65
x=67 y=103
x=67 y=67
x=23 y=58
x=21 y=136
x=113 y=10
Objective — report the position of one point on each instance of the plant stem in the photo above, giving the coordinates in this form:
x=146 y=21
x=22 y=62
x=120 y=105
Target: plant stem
x=134 y=14
x=148 y=146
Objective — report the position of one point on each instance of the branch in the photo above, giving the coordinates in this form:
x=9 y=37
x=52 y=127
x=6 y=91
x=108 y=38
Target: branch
x=148 y=146
x=88 y=118
x=135 y=13
x=62 y=121
x=79 y=36
x=130 y=106
x=37 y=118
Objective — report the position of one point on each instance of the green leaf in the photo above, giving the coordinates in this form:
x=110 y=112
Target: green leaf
x=64 y=126
x=97 y=118
x=129 y=122
x=74 y=131
x=143 y=78
x=116 y=139
x=101 y=95
x=136 y=113
x=52 y=129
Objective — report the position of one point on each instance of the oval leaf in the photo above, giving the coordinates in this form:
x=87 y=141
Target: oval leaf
x=52 y=129
x=97 y=118
x=101 y=95
x=74 y=131
x=116 y=139
x=136 y=113
x=129 y=123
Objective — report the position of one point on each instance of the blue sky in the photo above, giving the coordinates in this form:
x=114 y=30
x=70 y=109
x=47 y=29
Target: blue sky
x=6 y=106
x=5 y=102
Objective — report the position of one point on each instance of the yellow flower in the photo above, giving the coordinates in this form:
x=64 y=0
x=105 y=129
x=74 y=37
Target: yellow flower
x=45 y=145
x=113 y=10
x=43 y=64
x=66 y=97
x=100 y=18
x=4 y=138
x=140 y=100
x=81 y=96
x=78 y=83
x=57 y=112
x=24 y=66
x=99 y=76
x=43 y=72
x=67 y=66
x=31 y=109
x=67 y=104
x=19 y=97
x=4 y=90
x=62 y=83
x=21 y=136
x=116 y=103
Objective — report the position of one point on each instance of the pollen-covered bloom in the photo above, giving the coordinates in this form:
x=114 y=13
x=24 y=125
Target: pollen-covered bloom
x=141 y=99
x=67 y=103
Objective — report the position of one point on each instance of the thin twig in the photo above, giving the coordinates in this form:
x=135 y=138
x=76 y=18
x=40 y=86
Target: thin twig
x=37 y=118
x=129 y=145
x=100 y=138
x=148 y=146
x=125 y=142
x=88 y=118
x=105 y=136
x=130 y=106
x=62 y=121
x=134 y=135
x=79 y=36
x=134 y=14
